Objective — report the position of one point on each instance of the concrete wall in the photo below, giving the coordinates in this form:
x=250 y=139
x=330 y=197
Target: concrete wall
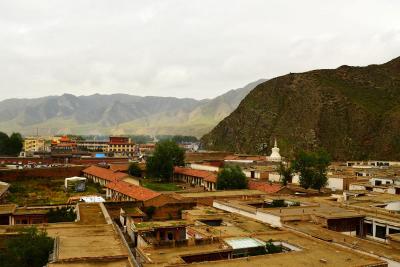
x=335 y=183
x=258 y=215
x=356 y=187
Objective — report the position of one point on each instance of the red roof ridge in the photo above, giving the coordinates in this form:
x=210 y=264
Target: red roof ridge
x=133 y=191
x=104 y=173
x=206 y=175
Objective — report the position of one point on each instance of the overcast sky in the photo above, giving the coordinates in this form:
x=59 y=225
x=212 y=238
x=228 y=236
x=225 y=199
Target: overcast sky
x=183 y=48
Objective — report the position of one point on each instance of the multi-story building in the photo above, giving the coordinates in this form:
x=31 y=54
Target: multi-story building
x=121 y=146
x=92 y=145
x=34 y=144
x=64 y=145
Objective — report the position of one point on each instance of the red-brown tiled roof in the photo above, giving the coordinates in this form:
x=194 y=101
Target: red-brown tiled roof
x=264 y=186
x=105 y=174
x=205 y=175
x=133 y=191
x=119 y=167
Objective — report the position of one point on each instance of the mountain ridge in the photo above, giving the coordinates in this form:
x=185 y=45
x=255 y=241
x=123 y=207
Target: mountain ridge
x=352 y=112
x=117 y=113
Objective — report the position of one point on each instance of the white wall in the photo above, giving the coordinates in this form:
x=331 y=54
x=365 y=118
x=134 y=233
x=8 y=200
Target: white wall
x=335 y=183
x=383 y=180
x=273 y=220
x=204 y=167
x=356 y=187
x=274 y=177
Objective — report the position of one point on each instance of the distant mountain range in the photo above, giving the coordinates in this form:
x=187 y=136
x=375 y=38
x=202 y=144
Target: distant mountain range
x=118 y=114
x=352 y=112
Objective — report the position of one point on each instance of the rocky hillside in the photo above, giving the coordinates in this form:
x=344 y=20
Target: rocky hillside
x=118 y=114
x=352 y=112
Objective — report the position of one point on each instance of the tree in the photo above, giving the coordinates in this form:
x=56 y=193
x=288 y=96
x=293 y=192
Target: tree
x=15 y=144
x=167 y=154
x=286 y=174
x=231 y=177
x=150 y=210
x=10 y=145
x=312 y=167
x=30 y=248
x=134 y=170
x=3 y=142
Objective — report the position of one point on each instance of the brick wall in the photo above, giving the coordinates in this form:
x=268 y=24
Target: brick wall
x=49 y=160
x=49 y=173
x=171 y=211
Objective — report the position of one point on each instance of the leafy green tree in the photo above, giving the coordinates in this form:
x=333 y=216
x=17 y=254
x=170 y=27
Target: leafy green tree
x=3 y=142
x=63 y=214
x=134 y=170
x=150 y=211
x=167 y=154
x=312 y=167
x=30 y=248
x=231 y=177
x=14 y=144
x=10 y=145
x=286 y=174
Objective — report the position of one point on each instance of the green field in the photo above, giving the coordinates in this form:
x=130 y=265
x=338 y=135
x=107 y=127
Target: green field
x=44 y=192
x=159 y=186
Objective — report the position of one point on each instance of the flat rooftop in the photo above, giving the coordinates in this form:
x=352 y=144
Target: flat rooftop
x=84 y=242
x=318 y=231
x=89 y=242
x=116 y=263
x=7 y=208
x=159 y=224
x=228 y=193
x=312 y=252
x=91 y=213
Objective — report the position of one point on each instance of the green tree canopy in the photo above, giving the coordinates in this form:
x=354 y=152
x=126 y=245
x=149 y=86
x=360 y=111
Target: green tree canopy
x=167 y=154
x=312 y=167
x=3 y=142
x=31 y=248
x=231 y=177
x=134 y=170
x=63 y=214
x=286 y=173
x=10 y=145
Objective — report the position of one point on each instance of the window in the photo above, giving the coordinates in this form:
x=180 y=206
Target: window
x=170 y=236
x=393 y=231
x=380 y=231
x=368 y=228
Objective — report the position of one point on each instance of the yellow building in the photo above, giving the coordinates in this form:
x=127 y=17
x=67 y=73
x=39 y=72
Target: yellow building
x=34 y=144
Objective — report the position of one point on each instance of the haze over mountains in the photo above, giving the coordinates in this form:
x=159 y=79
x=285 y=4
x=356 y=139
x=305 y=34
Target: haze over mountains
x=352 y=112
x=118 y=114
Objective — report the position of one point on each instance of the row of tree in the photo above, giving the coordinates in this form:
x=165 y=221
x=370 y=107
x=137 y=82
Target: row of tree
x=311 y=167
x=10 y=145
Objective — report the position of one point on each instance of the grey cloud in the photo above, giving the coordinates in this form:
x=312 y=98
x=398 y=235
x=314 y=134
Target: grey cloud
x=183 y=48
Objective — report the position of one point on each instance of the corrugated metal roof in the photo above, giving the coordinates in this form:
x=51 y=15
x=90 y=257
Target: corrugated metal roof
x=244 y=242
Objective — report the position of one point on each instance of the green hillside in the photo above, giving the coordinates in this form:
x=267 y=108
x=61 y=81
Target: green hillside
x=353 y=112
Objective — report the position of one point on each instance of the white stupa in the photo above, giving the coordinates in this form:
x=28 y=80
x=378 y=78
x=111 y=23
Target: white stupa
x=275 y=156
